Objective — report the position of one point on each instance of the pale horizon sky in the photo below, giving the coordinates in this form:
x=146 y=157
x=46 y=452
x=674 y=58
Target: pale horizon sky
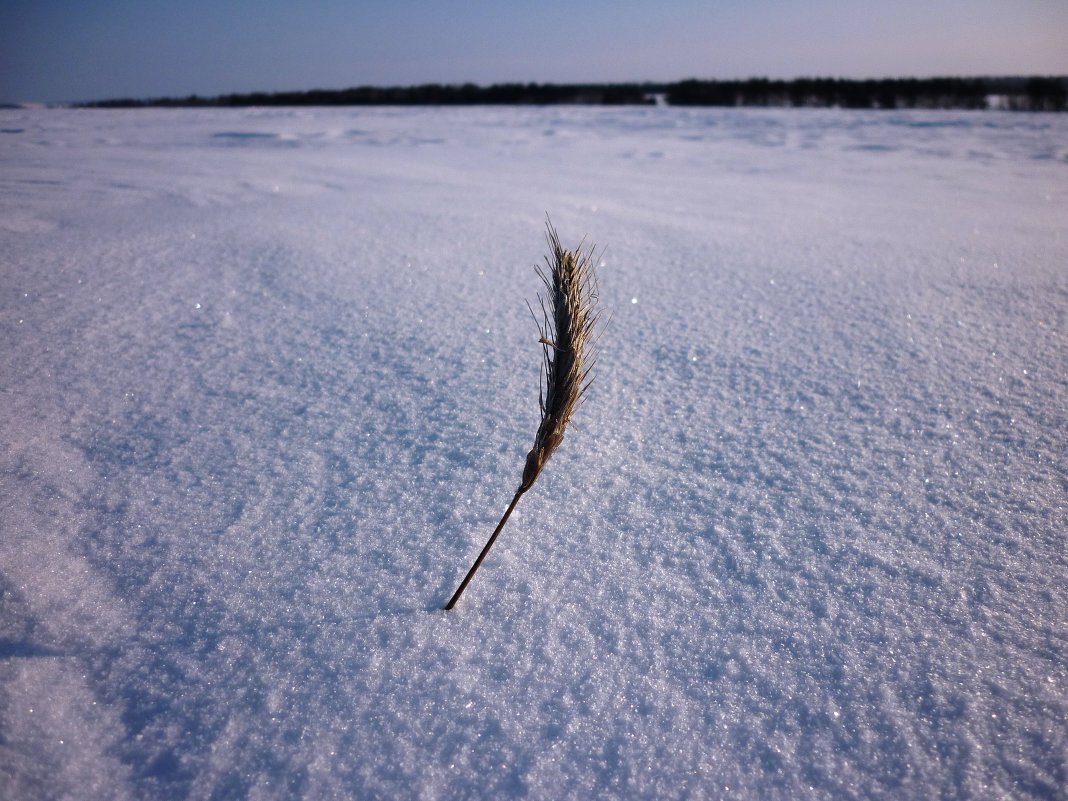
x=55 y=52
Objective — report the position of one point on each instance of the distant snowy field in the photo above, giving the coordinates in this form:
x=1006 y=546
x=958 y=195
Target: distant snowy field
x=267 y=381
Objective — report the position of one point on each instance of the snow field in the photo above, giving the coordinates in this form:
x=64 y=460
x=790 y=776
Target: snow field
x=269 y=379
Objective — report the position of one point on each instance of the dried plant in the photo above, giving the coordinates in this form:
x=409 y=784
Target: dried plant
x=568 y=325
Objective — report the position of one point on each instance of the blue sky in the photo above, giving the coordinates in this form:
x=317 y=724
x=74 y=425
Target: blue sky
x=54 y=51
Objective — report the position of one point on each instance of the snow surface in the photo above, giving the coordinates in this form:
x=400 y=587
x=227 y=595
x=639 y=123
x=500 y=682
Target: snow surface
x=268 y=380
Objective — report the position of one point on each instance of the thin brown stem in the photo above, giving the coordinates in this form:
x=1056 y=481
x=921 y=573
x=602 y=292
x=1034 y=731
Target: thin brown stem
x=485 y=550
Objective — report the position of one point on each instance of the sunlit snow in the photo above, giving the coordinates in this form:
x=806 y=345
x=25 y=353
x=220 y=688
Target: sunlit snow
x=268 y=379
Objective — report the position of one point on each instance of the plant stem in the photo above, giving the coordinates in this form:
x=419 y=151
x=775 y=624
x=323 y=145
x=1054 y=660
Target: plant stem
x=485 y=550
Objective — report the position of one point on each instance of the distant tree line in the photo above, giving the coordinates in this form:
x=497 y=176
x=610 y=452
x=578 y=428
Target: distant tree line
x=1012 y=93
x=1021 y=94
x=958 y=93
x=431 y=94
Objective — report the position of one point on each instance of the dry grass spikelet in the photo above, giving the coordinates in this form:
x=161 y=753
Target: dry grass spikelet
x=569 y=325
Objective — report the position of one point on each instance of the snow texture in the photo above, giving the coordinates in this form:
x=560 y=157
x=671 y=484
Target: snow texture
x=268 y=379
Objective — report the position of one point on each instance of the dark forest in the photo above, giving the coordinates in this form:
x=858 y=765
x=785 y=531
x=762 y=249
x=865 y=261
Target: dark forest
x=1034 y=93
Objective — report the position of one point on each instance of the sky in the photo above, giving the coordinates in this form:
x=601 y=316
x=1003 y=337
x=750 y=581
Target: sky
x=52 y=51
